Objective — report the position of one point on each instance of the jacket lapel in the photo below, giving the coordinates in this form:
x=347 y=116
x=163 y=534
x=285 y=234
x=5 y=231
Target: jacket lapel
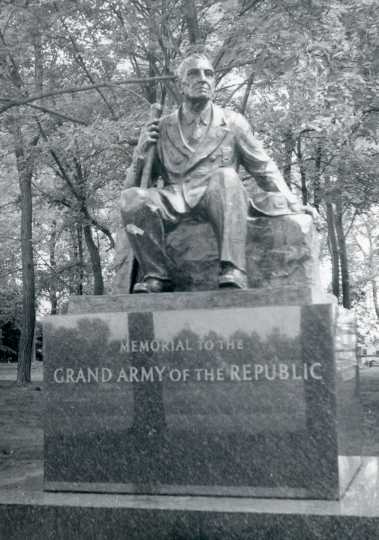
x=176 y=155
x=179 y=159
x=214 y=136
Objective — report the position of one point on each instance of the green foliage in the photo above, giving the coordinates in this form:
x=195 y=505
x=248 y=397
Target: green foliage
x=11 y=305
x=313 y=67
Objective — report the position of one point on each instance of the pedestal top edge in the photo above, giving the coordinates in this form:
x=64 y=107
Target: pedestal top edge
x=198 y=300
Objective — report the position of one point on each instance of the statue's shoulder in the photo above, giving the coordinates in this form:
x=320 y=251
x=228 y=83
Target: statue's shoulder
x=232 y=118
x=170 y=118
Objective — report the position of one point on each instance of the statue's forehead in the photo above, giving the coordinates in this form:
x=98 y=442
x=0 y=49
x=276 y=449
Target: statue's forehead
x=198 y=63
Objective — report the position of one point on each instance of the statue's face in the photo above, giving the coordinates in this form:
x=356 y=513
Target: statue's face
x=198 y=81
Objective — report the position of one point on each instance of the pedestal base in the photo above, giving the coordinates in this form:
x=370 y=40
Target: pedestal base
x=26 y=511
x=197 y=393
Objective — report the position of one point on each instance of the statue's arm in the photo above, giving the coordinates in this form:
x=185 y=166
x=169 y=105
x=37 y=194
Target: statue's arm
x=258 y=163
x=149 y=135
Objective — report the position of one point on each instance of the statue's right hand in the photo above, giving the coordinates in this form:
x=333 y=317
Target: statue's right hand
x=149 y=135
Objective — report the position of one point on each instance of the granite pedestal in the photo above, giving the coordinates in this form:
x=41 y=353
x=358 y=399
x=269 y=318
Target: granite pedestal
x=28 y=512
x=199 y=394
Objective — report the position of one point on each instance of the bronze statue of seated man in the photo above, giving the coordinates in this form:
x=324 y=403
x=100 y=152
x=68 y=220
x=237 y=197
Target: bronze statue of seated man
x=198 y=149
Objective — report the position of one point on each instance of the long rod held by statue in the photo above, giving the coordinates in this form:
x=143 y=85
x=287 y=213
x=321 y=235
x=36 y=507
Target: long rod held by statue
x=155 y=114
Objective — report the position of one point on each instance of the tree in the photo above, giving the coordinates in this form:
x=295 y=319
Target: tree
x=24 y=144
x=76 y=79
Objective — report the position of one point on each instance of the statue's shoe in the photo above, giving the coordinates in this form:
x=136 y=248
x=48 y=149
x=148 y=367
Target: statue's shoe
x=233 y=278
x=153 y=285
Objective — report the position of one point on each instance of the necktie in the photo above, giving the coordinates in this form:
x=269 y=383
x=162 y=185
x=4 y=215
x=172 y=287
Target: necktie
x=197 y=131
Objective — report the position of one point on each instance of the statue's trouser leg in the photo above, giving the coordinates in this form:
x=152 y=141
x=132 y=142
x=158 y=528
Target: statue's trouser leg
x=144 y=216
x=226 y=204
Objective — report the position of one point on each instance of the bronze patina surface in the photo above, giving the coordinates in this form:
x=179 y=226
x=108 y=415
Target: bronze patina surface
x=197 y=153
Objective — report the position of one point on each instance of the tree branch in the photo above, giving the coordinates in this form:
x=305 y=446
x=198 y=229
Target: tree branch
x=247 y=93
x=253 y=4
x=80 y=60
x=57 y=114
x=73 y=90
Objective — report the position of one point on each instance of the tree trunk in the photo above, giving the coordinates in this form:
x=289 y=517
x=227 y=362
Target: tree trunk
x=24 y=168
x=317 y=178
x=190 y=14
x=98 y=285
x=375 y=296
x=333 y=249
x=303 y=176
x=373 y=253
x=288 y=149
x=24 y=161
x=346 y=297
x=76 y=282
x=53 y=266
x=79 y=230
x=332 y=239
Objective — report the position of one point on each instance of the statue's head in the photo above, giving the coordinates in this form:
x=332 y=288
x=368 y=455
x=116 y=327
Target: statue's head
x=196 y=77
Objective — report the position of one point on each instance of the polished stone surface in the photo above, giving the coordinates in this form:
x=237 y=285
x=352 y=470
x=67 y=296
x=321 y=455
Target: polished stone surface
x=26 y=511
x=24 y=485
x=234 y=400
x=226 y=298
x=349 y=402
x=281 y=251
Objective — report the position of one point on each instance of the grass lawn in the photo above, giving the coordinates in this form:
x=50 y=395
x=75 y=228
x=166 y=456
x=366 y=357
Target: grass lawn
x=369 y=392
x=21 y=434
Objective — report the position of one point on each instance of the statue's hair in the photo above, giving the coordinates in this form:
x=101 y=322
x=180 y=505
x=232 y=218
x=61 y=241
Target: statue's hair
x=181 y=69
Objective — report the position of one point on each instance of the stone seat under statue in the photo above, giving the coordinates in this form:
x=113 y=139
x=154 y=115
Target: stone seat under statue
x=280 y=251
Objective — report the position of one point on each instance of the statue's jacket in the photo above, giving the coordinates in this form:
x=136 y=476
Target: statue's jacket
x=228 y=142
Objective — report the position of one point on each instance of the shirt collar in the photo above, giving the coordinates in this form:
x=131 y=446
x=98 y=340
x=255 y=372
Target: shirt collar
x=189 y=117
